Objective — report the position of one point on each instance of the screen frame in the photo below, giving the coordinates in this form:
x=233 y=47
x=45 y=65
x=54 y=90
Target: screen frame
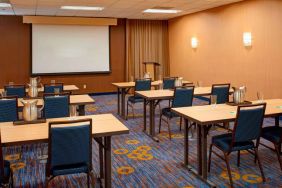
x=69 y=73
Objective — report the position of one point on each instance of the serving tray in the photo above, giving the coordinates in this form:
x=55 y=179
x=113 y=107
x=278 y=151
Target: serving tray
x=241 y=104
x=22 y=122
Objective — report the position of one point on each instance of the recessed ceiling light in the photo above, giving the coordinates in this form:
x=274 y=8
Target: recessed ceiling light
x=162 y=11
x=5 y=5
x=82 y=8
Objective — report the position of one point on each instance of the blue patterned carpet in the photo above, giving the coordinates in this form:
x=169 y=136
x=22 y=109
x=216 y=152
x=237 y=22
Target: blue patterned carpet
x=140 y=162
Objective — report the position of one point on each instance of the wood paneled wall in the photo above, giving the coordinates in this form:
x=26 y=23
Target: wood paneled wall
x=15 y=58
x=221 y=56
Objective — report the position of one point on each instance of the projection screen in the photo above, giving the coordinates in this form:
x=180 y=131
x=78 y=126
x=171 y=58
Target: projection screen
x=70 y=49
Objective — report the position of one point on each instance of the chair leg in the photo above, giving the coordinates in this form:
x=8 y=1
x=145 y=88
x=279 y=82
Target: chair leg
x=226 y=157
x=209 y=162
x=260 y=166
x=238 y=159
x=168 y=125
x=278 y=148
x=88 y=180
x=180 y=124
x=160 y=123
x=127 y=111
x=133 y=114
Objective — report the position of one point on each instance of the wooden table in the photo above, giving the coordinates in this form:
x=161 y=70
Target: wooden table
x=104 y=126
x=124 y=87
x=75 y=100
x=209 y=114
x=153 y=97
x=69 y=88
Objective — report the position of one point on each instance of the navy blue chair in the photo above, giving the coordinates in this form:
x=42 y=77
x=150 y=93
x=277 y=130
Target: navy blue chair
x=50 y=88
x=183 y=97
x=169 y=82
x=140 y=85
x=15 y=90
x=247 y=129
x=222 y=92
x=6 y=173
x=8 y=109
x=56 y=106
x=69 y=149
x=274 y=135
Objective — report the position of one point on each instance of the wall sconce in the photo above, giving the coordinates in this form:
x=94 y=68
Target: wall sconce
x=247 y=39
x=194 y=42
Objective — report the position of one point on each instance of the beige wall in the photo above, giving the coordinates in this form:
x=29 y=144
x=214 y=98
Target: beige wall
x=221 y=56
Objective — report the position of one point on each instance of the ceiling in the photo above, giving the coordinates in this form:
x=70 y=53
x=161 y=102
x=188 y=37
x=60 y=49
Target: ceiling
x=131 y=9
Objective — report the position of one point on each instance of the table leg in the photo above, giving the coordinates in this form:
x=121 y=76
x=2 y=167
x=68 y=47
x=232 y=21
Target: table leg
x=204 y=152
x=199 y=148
x=186 y=144
x=101 y=160
x=81 y=110
x=145 y=115
x=123 y=93
x=118 y=100
x=108 y=162
x=152 y=121
x=277 y=120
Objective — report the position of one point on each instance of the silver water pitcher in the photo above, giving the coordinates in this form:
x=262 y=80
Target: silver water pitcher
x=239 y=94
x=30 y=109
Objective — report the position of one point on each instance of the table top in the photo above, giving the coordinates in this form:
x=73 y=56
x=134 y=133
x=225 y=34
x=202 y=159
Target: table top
x=168 y=94
x=66 y=88
x=132 y=84
x=74 y=100
x=209 y=114
x=102 y=125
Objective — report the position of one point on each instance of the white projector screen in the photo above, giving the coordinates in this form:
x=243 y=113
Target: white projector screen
x=70 y=49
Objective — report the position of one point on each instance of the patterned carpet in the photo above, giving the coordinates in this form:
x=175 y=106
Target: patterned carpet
x=140 y=162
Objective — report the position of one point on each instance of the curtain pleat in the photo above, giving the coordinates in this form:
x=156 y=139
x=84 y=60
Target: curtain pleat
x=146 y=41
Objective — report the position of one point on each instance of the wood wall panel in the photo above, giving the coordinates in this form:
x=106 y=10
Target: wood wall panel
x=221 y=56
x=15 y=57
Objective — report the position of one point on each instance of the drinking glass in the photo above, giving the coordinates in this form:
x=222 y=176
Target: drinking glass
x=53 y=81
x=260 y=96
x=73 y=111
x=11 y=83
x=161 y=87
x=56 y=91
x=213 y=100
x=199 y=84
x=4 y=94
x=131 y=78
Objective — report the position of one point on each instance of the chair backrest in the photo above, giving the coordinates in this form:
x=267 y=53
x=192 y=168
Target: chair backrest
x=183 y=96
x=222 y=92
x=15 y=90
x=8 y=109
x=56 y=106
x=169 y=82
x=142 y=84
x=69 y=143
x=50 y=88
x=248 y=123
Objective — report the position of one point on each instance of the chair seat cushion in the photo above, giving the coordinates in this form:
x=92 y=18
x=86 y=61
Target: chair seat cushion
x=272 y=134
x=69 y=169
x=223 y=142
x=135 y=99
x=7 y=171
x=168 y=113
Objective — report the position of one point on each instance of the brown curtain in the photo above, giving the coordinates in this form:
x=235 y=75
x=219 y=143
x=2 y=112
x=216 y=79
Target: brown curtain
x=146 y=41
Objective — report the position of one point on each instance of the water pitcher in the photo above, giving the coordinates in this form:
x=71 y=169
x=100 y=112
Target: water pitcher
x=239 y=94
x=30 y=110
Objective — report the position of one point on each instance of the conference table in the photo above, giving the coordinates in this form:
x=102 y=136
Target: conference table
x=153 y=97
x=68 y=88
x=104 y=126
x=206 y=115
x=75 y=100
x=124 y=87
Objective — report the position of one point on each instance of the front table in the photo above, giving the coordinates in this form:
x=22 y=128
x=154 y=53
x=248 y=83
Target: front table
x=209 y=114
x=124 y=87
x=153 y=97
x=104 y=126
x=76 y=100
